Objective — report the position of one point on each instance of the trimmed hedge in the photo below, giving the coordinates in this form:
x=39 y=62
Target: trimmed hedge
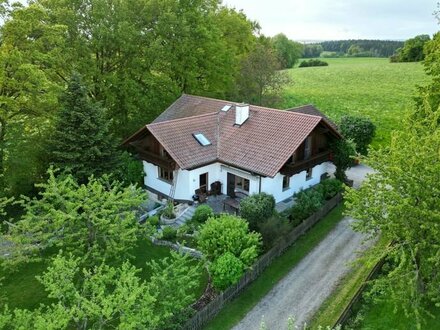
x=312 y=62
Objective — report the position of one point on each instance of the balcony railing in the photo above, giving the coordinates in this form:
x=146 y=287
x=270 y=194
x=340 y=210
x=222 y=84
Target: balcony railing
x=299 y=166
x=164 y=162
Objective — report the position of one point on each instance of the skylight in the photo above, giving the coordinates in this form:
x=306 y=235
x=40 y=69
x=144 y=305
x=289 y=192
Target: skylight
x=203 y=140
x=226 y=107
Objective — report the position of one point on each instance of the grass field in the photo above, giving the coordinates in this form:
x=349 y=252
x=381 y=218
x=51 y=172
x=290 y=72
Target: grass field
x=234 y=311
x=370 y=87
x=22 y=290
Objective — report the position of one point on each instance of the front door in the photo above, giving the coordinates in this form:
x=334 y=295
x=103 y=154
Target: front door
x=231 y=185
x=203 y=183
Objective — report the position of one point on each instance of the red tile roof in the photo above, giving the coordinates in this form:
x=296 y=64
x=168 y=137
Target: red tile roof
x=262 y=145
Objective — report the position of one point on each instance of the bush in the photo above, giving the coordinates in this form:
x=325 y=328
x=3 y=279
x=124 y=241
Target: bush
x=202 y=213
x=343 y=152
x=272 y=229
x=228 y=233
x=312 y=62
x=360 y=130
x=169 y=233
x=307 y=202
x=329 y=188
x=154 y=220
x=168 y=211
x=226 y=270
x=257 y=208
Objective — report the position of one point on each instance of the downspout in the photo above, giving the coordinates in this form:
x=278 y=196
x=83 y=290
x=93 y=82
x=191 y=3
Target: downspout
x=259 y=186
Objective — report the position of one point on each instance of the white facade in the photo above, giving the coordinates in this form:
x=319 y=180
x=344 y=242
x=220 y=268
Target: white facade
x=188 y=181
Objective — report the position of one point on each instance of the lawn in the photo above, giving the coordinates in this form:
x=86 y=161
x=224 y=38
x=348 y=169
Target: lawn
x=382 y=316
x=22 y=289
x=370 y=87
x=233 y=312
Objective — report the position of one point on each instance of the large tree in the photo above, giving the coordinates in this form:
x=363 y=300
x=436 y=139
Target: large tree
x=96 y=221
x=260 y=81
x=82 y=143
x=401 y=202
x=288 y=51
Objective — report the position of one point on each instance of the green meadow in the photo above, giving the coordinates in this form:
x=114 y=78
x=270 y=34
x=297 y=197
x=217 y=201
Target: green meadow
x=370 y=87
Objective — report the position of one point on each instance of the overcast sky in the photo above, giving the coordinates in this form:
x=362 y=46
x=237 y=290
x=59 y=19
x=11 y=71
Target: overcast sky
x=342 y=19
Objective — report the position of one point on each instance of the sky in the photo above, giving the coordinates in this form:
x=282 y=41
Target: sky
x=304 y=20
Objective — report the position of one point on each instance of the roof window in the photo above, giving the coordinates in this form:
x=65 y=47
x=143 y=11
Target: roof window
x=226 y=107
x=203 y=140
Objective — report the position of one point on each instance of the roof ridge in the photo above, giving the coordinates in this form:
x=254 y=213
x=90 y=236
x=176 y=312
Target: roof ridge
x=302 y=106
x=181 y=119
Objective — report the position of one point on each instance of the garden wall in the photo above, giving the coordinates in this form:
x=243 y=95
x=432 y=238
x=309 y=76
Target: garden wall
x=210 y=310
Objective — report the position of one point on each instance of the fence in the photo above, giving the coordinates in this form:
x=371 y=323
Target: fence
x=346 y=314
x=211 y=309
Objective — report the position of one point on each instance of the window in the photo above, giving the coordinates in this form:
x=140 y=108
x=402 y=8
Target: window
x=203 y=140
x=165 y=174
x=286 y=182
x=309 y=173
x=241 y=183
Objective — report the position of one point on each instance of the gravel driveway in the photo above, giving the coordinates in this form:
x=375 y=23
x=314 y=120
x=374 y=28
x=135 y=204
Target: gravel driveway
x=301 y=292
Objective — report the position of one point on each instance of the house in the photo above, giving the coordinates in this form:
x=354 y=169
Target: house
x=198 y=142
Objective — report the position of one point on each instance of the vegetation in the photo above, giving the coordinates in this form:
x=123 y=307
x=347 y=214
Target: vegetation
x=168 y=211
x=257 y=208
x=412 y=50
x=358 y=129
x=343 y=152
x=362 y=87
x=273 y=229
x=234 y=311
x=364 y=48
x=226 y=270
x=96 y=221
x=169 y=233
x=81 y=143
x=288 y=51
x=202 y=214
x=312 y=62
x=401 y=201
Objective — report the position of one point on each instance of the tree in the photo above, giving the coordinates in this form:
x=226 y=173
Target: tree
x=228 y=233
x=260 y=81
x=257 y=208
x=96 y=221
x=288 y=51
x=400 y=201
x=81 y=142
x=412 y=50
x=343 y=152
x=226 y=270
x=104 y=296
x=312 y=50
x=360 y=130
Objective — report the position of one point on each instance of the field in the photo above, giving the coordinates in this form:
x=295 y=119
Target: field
x=370 y=87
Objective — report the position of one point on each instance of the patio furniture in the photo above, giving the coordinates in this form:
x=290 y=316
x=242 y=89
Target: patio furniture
x=232 y=203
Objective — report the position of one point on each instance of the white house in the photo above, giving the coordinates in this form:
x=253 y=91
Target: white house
x=199 y=143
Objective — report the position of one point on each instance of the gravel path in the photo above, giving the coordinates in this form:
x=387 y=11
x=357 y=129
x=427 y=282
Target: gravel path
x=300 y=293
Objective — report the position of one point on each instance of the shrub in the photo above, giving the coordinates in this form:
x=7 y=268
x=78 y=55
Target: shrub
x=202 y=213
x=312 y=62
x=272 y=229
x=329 y=188
x=168 y=211
x=228 y=233
x=169 y=233
x=257 y=208
x=307 y=202
x=226 y=270
x=154 y=220
x=360 y=130
x=343 y=153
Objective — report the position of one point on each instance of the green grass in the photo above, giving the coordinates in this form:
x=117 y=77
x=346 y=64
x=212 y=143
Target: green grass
x=370 y=87
x=239 y=307
x=382 y=316
x=22 y=290
x=335 y=304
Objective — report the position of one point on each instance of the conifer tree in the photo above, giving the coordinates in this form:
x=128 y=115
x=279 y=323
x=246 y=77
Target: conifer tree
x=82 y=143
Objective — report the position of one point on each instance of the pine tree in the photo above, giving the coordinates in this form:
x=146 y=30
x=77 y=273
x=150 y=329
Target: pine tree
x=82 y=143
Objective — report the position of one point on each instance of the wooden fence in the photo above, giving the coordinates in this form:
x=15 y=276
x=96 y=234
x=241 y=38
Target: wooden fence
x=210 y=310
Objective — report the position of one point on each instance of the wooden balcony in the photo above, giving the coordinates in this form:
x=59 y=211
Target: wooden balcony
x=299 y=166
x=164 y=162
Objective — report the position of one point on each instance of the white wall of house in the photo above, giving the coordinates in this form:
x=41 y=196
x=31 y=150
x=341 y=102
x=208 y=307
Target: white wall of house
x=298 y=181
x=188 y=181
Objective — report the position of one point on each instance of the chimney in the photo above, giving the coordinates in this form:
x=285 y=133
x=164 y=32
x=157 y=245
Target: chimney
x=241 y=113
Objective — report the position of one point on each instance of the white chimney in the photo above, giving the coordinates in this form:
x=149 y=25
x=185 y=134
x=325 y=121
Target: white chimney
x=241 y=113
